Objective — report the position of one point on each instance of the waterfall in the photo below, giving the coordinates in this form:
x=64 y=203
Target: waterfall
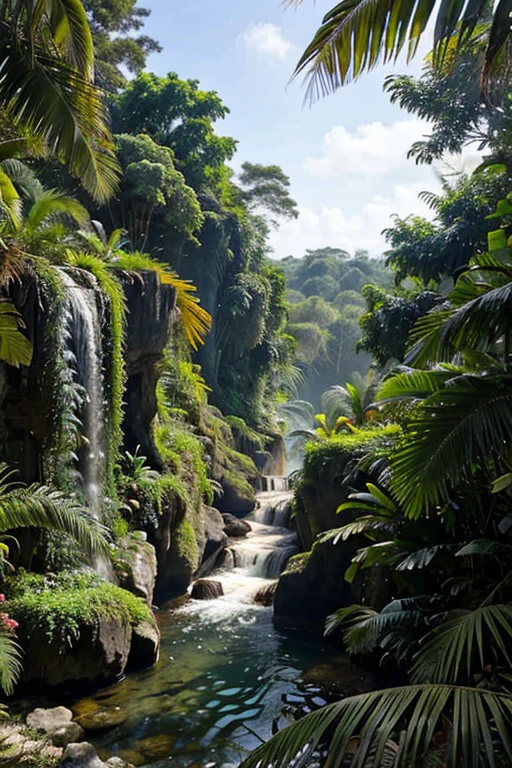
x=83 y=354
x=274 y=509
x=255 y=561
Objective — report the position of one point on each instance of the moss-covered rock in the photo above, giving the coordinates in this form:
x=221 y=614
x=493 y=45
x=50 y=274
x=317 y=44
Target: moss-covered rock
x=324 y=485
x=136 y=566
x=74 y=628
x=313 y=586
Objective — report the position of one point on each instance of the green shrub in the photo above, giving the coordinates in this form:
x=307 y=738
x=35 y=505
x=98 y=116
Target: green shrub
x=56 y=606
x=329 y=461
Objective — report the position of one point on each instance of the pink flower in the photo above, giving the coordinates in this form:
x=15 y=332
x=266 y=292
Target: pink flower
x=11 y=624
x=2 y=598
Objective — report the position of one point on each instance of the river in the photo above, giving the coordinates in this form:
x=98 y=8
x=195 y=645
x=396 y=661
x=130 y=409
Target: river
x=225 y=674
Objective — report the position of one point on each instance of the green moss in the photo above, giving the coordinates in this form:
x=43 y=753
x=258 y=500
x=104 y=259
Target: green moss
x=242 y=487
x=57 y=606
x=186 y=543
x=327 y=460
x=298 y=563
x=55 y=381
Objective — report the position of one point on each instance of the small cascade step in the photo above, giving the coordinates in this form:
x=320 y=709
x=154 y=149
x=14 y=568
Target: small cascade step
x=269 y=483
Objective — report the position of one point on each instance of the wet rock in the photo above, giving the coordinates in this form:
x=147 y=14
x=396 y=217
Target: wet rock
x=234 y=526
x=313 y=586
x=39 y=749
x=93 y=717
x=132 y=757
x=145 y=646
x=157 y=747
x=265 y=595
x=341 y=677
x=81 y=755
x=66 y=734
x=46 y=720
x=236 y=498
x=118 y=762
x=12 y=746
x=57 y=724
x=206 y=589
x=99 y=655
x=138 y=566
x=211 y=540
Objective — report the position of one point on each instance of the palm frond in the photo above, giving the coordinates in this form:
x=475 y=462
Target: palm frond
x=10 y=662
x=72 y=34
x=452 y=648
x=481 y=723
x=37 y=506
x=15 y=348
x=366 y=629
x=196 y=320
x=358 y=34
x=482 y=319
x=51 y=204
x=54 y=100
x=469 y=418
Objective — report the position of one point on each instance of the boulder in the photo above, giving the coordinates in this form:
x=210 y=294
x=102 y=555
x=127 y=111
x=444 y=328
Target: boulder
x=81 y=755
x=99 y=655
x=236 y=497
x=313 y=586
x=157 y=747
x=212 y=541
x=57 y=723
x=46 y=720
x=234 y=526
x=145 y=646
x=138 y=566
x=96 y=718
x=206 y=589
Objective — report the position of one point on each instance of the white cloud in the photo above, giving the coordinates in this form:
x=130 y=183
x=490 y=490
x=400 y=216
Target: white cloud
x=331 y=226
x=267 y=39
x=372 y=149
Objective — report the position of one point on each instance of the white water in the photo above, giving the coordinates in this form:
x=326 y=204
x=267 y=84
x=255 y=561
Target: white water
x=84 y=354
x=252 y=562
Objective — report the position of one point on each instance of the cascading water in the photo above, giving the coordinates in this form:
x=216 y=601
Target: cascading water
x=225 y=674
x=83 y=354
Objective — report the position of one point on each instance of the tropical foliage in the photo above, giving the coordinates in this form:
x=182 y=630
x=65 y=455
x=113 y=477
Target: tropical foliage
x=355 y=36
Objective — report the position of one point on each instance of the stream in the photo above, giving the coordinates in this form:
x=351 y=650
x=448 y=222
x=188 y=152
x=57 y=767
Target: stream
x=225 y=674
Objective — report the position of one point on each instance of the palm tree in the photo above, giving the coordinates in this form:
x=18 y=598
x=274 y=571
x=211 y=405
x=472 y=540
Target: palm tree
x=356 y=34
x=47 y=90
x=354 y=400
x=456 y=414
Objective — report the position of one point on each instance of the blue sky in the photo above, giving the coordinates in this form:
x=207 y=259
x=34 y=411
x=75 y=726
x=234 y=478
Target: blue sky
x=345 y=155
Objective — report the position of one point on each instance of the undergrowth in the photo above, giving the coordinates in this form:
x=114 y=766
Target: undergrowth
x=57 y=606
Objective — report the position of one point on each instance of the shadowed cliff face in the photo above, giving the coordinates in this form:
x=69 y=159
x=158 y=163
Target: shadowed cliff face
x=151 y=314
x=24 y=406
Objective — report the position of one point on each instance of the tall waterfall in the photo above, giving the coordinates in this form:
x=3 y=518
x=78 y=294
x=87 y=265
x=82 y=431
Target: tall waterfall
x=83 y=354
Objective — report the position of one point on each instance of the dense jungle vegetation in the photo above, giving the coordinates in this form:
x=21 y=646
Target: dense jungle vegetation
x=153 y=355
